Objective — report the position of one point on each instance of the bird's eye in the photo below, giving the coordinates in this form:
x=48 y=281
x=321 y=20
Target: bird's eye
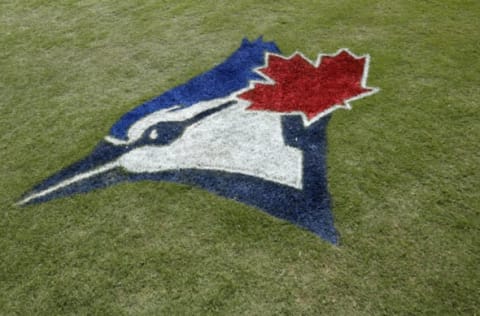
x=153 y=134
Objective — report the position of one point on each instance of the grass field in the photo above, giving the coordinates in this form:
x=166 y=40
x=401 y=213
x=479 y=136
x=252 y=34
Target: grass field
x=404 y=164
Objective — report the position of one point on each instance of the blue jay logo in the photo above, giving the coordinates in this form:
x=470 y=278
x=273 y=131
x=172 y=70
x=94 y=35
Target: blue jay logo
x=214 y=133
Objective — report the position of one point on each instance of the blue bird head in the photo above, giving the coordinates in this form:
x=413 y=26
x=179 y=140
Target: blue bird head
x=200 y=133
x=157 y=122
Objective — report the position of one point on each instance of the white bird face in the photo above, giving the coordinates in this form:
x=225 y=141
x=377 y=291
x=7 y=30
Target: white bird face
x=223 y=136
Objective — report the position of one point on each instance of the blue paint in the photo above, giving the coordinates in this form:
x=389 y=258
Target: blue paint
x=230 y=76
x=308 y=208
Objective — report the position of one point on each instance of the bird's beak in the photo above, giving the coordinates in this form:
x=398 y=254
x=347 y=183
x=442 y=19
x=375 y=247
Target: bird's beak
x=97 y=170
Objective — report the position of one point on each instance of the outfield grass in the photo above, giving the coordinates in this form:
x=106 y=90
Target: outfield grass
x=403 y=164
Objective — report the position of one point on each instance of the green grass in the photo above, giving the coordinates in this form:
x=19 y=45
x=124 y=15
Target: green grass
x=404 y=164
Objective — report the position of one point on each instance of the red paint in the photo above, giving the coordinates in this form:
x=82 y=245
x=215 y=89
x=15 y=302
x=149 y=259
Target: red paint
x=301 y=86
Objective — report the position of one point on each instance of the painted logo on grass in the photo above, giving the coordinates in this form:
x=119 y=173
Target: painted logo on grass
x=252 y=129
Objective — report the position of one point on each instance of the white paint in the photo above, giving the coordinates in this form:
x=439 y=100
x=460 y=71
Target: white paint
x=154 y=134
x=232 y=140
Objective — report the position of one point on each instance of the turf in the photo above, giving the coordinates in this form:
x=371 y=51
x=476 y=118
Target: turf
x=403 y=164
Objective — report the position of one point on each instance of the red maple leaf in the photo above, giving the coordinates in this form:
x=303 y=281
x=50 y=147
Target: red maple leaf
x=300 y=86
